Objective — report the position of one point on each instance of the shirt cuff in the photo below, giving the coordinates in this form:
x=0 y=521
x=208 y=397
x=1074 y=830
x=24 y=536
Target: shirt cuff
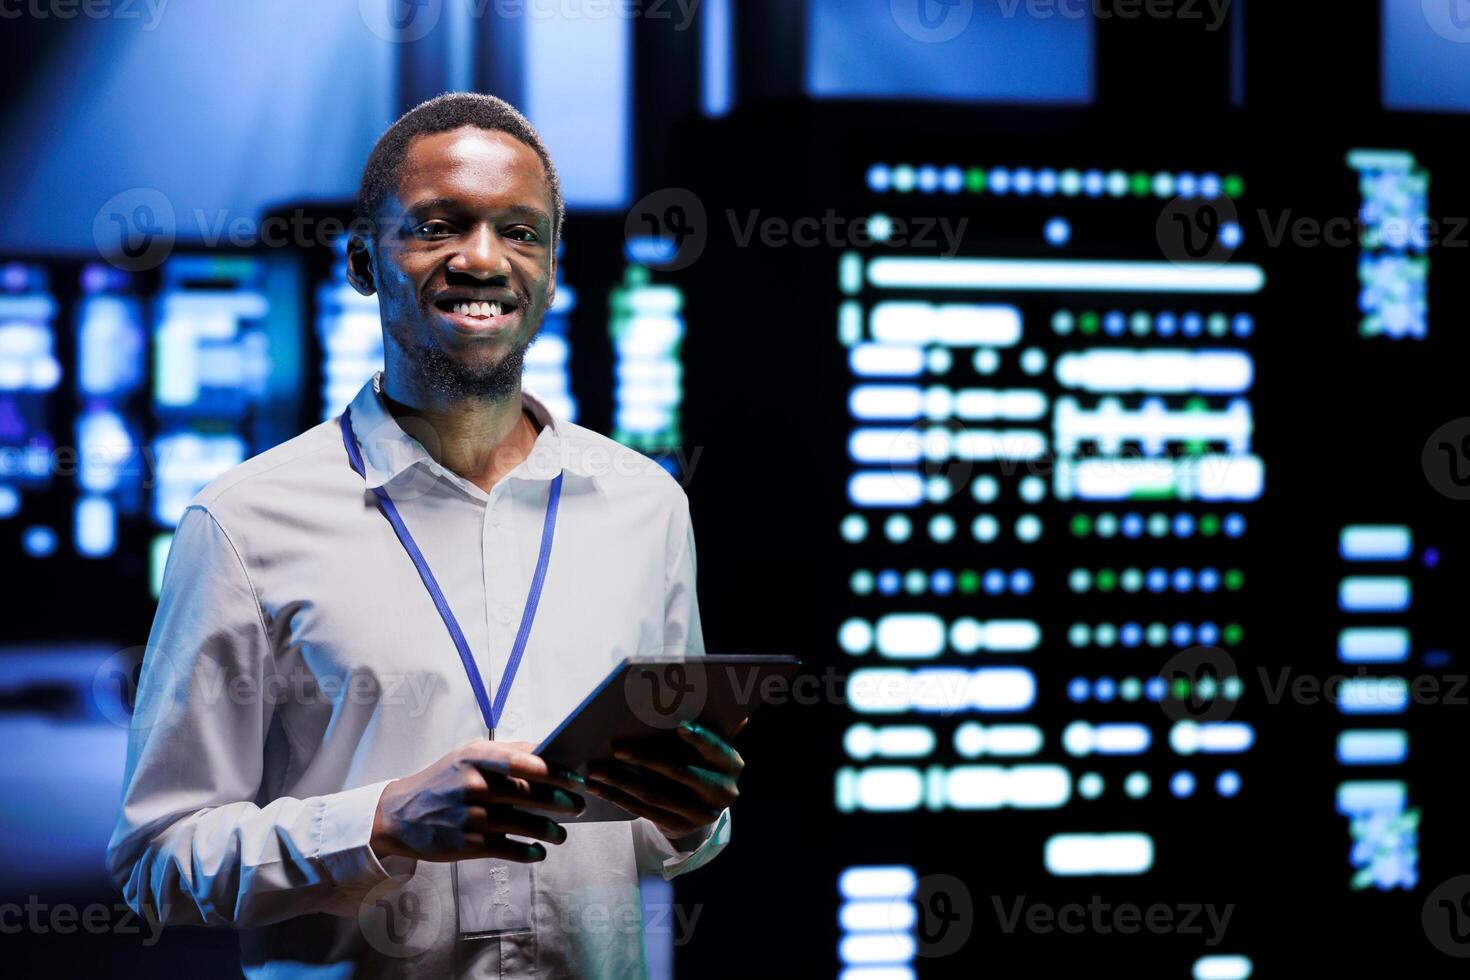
x=344 y=838
x=699 y=848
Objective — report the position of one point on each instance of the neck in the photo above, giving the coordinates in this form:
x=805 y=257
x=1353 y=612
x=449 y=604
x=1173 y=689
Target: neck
x=480 y=439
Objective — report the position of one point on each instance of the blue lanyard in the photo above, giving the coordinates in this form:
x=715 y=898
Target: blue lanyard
x=548 y=531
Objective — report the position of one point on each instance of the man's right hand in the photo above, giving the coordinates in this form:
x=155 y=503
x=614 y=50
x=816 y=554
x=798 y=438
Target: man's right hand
x=464 y=805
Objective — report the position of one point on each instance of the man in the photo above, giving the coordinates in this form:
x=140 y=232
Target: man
x=310 y=761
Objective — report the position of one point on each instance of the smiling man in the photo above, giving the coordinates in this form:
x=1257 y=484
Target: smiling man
x=363 y=631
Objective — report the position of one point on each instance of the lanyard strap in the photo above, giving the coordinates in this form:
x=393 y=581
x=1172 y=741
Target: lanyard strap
x=490 y=713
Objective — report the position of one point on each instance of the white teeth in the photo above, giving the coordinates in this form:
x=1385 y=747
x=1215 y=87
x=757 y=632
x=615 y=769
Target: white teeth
x=479 y=309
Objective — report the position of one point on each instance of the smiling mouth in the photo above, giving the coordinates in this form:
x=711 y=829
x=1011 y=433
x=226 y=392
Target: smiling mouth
x=477 y=314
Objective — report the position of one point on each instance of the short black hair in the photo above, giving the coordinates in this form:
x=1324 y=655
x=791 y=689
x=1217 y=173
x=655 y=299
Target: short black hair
x=452 y=110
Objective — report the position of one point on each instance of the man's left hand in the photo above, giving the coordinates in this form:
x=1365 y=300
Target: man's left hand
x=679 y=797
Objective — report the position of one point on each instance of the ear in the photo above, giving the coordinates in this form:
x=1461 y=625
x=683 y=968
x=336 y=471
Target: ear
x=360 y=264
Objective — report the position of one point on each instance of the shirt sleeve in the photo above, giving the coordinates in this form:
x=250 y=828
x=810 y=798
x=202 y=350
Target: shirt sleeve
x=682 y=635
x=193 y=843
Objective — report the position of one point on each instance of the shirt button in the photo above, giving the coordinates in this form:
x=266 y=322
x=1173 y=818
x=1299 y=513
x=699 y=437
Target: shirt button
x=503 y=614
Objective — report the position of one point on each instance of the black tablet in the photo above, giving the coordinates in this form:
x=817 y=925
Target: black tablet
x=645 y=698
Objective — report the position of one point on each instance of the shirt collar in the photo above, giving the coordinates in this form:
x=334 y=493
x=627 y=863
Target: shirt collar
x=388 y=451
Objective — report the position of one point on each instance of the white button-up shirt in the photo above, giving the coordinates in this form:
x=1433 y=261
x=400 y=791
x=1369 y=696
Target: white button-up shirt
x=297 y=664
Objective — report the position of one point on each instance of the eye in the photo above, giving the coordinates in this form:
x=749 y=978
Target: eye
x=521 y=233
x=432 y=229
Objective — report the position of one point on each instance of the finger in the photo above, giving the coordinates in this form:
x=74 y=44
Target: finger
x=518 y=792
x=740 y=727
x=669 y=796
x=714 y=749
x=497 y=846
x=713 y=787
x=492 y=759
x=509 y=820
x=637 y=807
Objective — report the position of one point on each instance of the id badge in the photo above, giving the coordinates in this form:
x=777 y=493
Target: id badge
x=493 y=898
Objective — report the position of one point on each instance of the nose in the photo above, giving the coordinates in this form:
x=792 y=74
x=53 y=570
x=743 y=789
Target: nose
x=482 y=256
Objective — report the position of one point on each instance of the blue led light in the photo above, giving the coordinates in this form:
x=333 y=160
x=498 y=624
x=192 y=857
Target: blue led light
x=942 y=582
x=928 y=178
x=1208 y=633
x=889 y=582
x=1155 y=688
x=1058 y=232
x=1192 y=324
x=1181 y=784
x=1130 y=635
x=1243 y=324
x=1187 y=184
x=994 y=581
x=1046 y=182
x=1104 y=689
x=1181 y=635
x=1183 y=525
x=999 y=180
x=1093 y=183
x=1231 y=235
x=880 y=178
x=1021 y=581
x=1077 y=689
x=1157 y=580
x=1209 y=580
x=1227 y=784
x=1132 y=525
x=953 y=179
x=1183 y=580
x=1114 y=323
x=1025 y=181
x=38 y=541
x=1165 y=324
x=1234 y=525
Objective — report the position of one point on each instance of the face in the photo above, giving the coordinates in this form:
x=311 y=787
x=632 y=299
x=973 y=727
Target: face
x=463 y=263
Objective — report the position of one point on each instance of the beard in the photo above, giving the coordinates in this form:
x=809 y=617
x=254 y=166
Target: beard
x=448 y=379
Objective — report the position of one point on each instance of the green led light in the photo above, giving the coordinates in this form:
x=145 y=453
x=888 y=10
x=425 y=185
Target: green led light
x=968 y=581
x=1088 y=322
x=1106 y=580
x=1234 y=579
x=1141 y=184
x=1233 y=633
x=1081 y=524
x=975 y=180
x=1209 y=525
x=1179 y=689
x=1232 y=185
